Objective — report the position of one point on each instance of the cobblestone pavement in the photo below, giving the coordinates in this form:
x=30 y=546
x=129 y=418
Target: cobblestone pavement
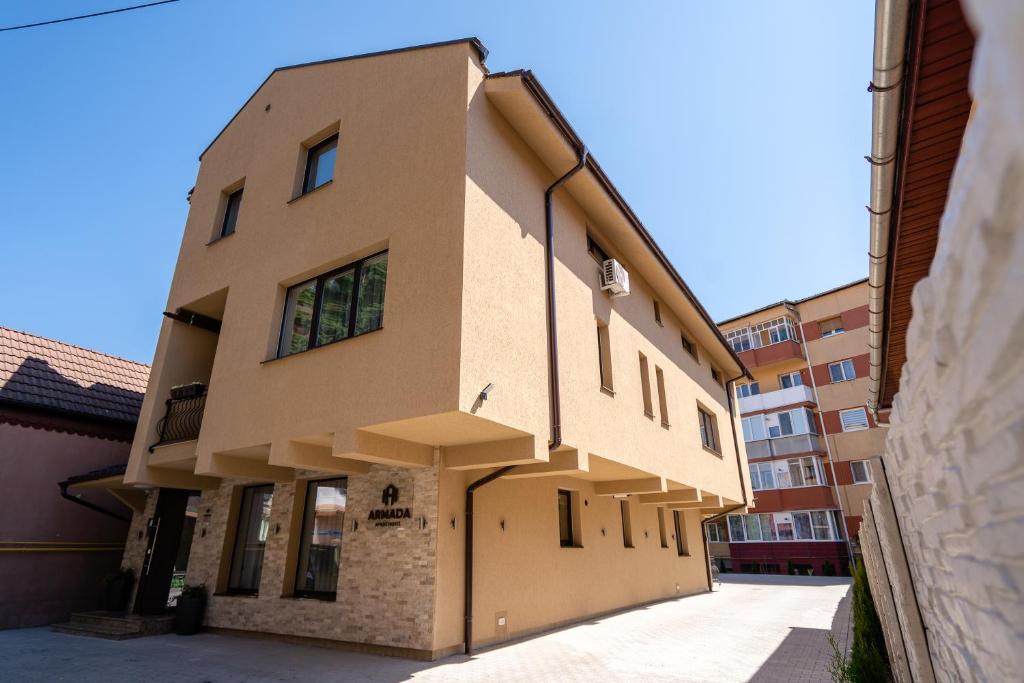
x=759 y=628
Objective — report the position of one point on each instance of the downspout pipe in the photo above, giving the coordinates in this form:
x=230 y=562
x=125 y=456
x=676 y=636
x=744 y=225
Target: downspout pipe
x=92 y=506
x=887 y=86
x=555 y=440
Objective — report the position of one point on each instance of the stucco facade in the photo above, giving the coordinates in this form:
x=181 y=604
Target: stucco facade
x=444 y=167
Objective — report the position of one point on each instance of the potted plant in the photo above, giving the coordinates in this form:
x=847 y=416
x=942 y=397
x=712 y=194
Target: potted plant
x=188 y=618
x=117 y=589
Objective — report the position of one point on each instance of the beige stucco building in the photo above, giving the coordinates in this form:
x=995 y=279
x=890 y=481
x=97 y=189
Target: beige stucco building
x=372 y=309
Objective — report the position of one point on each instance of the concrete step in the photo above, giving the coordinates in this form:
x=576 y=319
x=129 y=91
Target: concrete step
x=93 y=632
x=116 y=625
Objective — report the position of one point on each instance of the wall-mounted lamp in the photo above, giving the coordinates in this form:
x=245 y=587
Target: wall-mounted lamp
x=602 y=531
x=355 y=524
x=455 y=523
x=486 y=392
x=423 y=522
x=502 y=524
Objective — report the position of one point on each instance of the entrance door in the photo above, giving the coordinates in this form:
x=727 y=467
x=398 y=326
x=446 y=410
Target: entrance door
x=168 y=530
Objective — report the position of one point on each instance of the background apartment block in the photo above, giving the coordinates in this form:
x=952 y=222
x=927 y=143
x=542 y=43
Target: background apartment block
x=808 y=435
x=391 y=285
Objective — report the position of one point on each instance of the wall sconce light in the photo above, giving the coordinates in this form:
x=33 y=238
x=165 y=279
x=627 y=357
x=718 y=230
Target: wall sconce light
x=645 y=534
x=486 y=392
x=422 y=522
x=502 y=524
x=355 y=525
x=602 y=531
x=277 y=529
x=455 y=523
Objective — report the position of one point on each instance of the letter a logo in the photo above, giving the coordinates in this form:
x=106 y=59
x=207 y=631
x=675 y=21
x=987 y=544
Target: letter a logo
x=390 y=496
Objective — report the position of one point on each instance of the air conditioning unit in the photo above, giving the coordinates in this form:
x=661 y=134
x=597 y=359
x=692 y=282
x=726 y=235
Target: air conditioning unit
x=614 y=278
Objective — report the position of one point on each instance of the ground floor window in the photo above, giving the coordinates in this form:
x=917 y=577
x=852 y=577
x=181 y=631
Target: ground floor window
x=680 y=524
x=320 y=551
x=805 y=525
x=565 y=531
x=250 y=539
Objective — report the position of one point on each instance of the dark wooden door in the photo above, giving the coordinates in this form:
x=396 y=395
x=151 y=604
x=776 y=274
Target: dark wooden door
x=164 y=536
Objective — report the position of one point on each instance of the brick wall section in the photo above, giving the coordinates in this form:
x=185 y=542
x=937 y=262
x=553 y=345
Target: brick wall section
x=955 y=450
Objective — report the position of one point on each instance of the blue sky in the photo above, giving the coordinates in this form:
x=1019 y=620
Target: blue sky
x=736 y=131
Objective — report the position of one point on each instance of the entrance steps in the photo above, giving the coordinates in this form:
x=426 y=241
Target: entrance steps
x=115 y=625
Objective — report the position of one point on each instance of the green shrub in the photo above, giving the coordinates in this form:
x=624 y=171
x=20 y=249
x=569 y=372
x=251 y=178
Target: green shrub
x=868 y=661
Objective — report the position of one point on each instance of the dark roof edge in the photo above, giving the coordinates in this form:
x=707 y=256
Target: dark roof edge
x=794 y=303
x=562 y=123
x=102 y=473
x=472 y=40
x=109 y=420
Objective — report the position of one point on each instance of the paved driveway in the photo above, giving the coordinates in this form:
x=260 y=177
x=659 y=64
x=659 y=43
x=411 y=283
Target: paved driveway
x=754 y=628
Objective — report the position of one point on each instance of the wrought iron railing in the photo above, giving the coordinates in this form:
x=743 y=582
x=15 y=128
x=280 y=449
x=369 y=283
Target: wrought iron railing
x=182 y=421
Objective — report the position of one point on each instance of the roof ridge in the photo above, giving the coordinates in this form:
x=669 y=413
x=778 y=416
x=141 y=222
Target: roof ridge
x=77 y=346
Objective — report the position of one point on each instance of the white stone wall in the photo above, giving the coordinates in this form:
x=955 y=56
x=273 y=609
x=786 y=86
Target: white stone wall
x=955 y=451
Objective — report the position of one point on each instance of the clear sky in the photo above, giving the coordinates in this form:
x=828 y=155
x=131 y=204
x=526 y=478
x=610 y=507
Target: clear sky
x=735 y=130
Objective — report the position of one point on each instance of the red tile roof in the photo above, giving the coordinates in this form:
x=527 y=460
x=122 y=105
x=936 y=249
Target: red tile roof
x=61 y=377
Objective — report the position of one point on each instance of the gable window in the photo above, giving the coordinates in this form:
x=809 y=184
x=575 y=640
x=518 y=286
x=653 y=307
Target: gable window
x=595 y=250
x=231 y=206
x=790 y=379
x=604 y=356
x=842 y=371
x=690 y=347
x=250 y=539
x=320 y=549
x=861 y=471
x=659 y=376
x=831 y=327
x=682 y=548
x=566 y=535
x=627 y=526
x=320 y=160
x=853 y=419
x=745 y=390
x=645 y=386
x=708 y=429
x=657 y=313
x=337 y=305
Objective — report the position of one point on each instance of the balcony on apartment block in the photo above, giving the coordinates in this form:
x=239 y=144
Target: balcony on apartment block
x=765 y=343
x=776 y=399
x=785 y=445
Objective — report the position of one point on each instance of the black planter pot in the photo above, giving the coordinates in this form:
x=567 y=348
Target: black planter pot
x=117 y=592
x=188 y=619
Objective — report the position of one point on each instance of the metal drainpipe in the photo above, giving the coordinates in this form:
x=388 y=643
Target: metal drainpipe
x=828 y=448
x=556 y=400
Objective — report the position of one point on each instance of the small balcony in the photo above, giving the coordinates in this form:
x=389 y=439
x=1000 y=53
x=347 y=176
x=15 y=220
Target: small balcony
x=776 y=399
x=774 y=353
x=787 y=445
x=184 y=415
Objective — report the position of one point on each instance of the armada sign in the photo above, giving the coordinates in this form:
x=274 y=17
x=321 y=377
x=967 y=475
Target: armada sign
x=389 y=516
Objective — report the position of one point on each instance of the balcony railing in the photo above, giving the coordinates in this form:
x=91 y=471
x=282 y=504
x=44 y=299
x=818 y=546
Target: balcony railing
x=183 y=419
x=787 y=445
x=776 y=399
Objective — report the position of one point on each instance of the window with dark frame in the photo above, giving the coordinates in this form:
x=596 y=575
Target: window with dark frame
x=690 y=347
x=323 y=524
x=604 y=356
x=645 y=386
x=334 y=306
x=662 y=531
x=231 y=207
x=595 y=250
x=681 y=546
x=320 y=160
x=565 y=532
x=716 y=375
x=659 y=377
x=657 y=313
x=627 y=525
x=250 y=539
x=708 y=437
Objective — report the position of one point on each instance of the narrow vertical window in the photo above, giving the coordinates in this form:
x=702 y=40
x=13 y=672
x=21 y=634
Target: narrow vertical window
x=320 y=551
x=688 y=345
x=645 y=386
x=320 y=164
x=298 y=318
x=566 y=538
x=716 y=375
x=659 y=377
x=708 y=430
x=604 y=356
x=231 y=207
x=627 y=526
x=657 y=313
x=370 y=295
x=680 y=523
x=662 y=530
x=250 y=539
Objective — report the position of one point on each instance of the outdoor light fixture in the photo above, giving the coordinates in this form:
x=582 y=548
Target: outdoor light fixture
x=486 y=391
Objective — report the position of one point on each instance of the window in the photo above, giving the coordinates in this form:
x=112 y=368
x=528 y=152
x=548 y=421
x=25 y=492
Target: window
x=753 y=428
x=320 y=311
x=604 y=356
x=566 y=537
x=810 y=525
x=744 y=390
x=659 y=377
x=662 y=531
x=250 y=539
x=690 y=347
x=682 y=548
x=657 y=313
x=841 y=371
x=231 y=206
x=831 y=326
x=861 y=471
x=786 y=474
x=762 y=476
x=716 y=375
x=627 y=526
x=708 y=429
x=790 y=379
x=786 y=423
x=645 y=386
x=320 y=548
x=320 y=164
x=853 y=419
x=595 y=250
x=761 y=334
x=716 y=533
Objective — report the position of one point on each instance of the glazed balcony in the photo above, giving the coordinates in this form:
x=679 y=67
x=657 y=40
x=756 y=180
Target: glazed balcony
x=786 y=445
x=776 y=399
x=765 y=343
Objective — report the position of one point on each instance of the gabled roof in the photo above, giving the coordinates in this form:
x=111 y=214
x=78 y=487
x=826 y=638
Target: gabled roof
x=42 y=373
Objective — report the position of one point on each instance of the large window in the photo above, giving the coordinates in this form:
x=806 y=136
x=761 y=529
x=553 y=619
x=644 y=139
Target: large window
x=808 y=525
x=762 y=334
x=861 y=471
x=250 y=539
x=566 y=536
x=320 y=164
x=337 y=305
x=745 y=390
x=777 y=425
x=787 y=474
x=853 y=419
x=790 y=379
x=708 y=429
x=320 y=551
x=841 y=371
x=231 y=207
